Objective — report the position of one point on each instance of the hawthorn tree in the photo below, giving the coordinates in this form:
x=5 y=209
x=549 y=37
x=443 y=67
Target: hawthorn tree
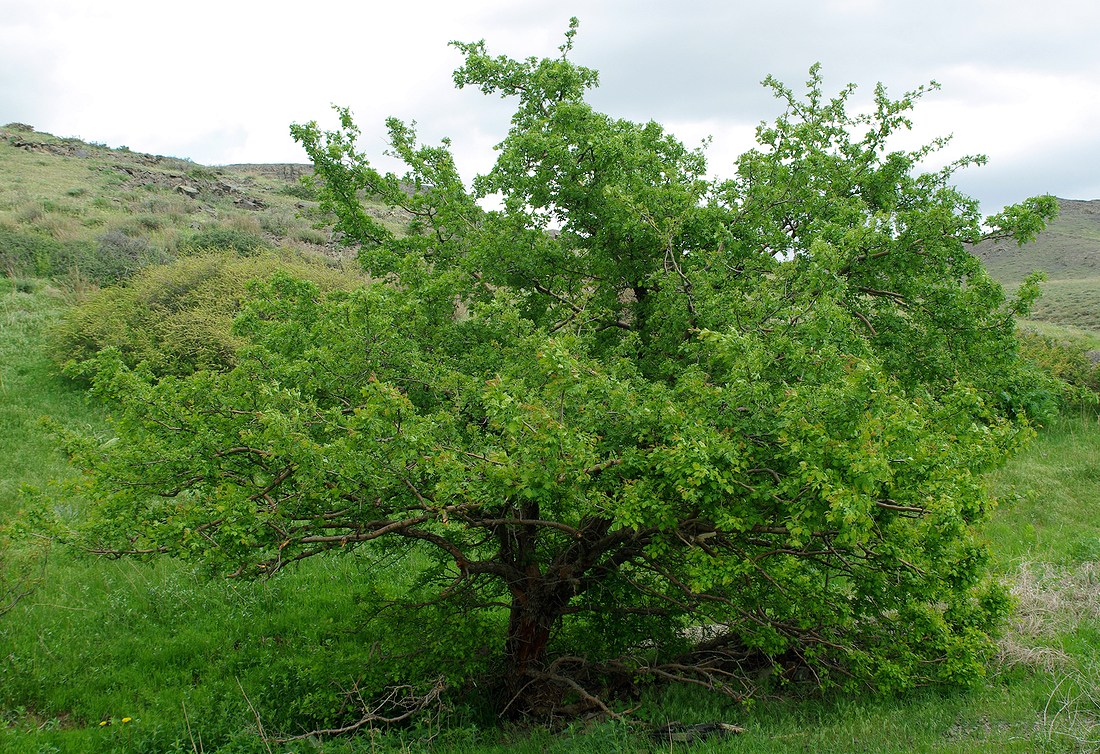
x=634 y=424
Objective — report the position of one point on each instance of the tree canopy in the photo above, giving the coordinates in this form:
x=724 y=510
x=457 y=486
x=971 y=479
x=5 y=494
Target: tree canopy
x=634 y=424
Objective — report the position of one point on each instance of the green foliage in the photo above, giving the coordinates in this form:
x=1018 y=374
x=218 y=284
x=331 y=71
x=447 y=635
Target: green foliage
x=701 y=431
x=175 y=318
x=223 y=238
x=114 y=256
x=1076 y=378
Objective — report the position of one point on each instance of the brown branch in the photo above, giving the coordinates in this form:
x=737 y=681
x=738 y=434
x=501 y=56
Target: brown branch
x=282 y=477
x=893 y=506
x=774 y=474
x=575 y=533
x=384 y=528
x=243 y=449
x=877 y=292
x=583 y=693
x=867 y=322
x=111 y=553
x=544 y=290
x=426 y=501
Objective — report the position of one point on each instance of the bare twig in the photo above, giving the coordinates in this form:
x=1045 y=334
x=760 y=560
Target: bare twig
x=259 y=723
x=404 y=707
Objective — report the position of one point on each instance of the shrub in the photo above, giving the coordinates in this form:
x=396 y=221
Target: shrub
x=1076 y=377
x=176 y=318
x=120 y=255
x=301 y=190
x=114 y=256
x=310 y=235
x=276 y=223
x=243 y=242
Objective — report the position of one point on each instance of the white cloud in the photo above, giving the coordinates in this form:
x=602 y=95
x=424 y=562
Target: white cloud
x=221 y=81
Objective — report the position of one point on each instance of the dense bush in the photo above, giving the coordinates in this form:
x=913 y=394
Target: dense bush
x=176 y=318
x=114 y=256
x=1076 y=378
x=242 y=242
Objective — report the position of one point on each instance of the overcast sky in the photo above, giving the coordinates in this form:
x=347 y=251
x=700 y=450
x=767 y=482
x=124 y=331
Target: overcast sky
x=221 y=81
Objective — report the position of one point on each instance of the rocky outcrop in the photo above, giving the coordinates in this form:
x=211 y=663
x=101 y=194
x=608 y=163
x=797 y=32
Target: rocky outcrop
x=287 y=171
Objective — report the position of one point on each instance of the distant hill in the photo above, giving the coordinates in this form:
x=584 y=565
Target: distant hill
x=65 y=203
x=1068 y=251
x=84 y=195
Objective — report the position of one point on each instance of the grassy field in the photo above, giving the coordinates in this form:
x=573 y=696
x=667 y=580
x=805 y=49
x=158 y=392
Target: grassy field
x=133 y=656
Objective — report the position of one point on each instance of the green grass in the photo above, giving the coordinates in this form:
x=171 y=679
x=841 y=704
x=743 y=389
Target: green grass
x=1088 y=340
x=1050 y=497
x=1075 y=301
x=30 y=389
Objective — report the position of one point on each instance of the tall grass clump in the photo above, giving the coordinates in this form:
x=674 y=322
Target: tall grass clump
x=243 y=242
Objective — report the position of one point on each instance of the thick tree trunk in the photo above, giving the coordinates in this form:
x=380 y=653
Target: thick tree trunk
x=535 y=613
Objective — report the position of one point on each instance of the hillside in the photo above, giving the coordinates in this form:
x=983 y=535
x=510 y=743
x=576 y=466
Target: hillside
x=73 y=189
x=1068 y=251
x=84 y=202
x=86 y=213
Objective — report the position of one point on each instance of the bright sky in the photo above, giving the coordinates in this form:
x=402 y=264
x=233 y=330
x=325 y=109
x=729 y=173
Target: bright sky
x=221 y=81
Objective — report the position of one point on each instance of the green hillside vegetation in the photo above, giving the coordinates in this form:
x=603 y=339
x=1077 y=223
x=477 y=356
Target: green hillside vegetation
x=153 y=256
x=177 y=318
x=1068 y=252
x=88 y=215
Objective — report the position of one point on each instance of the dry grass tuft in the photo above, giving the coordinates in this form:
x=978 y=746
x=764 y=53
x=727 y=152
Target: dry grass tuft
x=1051 y=601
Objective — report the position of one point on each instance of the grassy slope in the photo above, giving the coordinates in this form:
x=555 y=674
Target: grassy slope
x=73 y=191
x=1069 y=253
